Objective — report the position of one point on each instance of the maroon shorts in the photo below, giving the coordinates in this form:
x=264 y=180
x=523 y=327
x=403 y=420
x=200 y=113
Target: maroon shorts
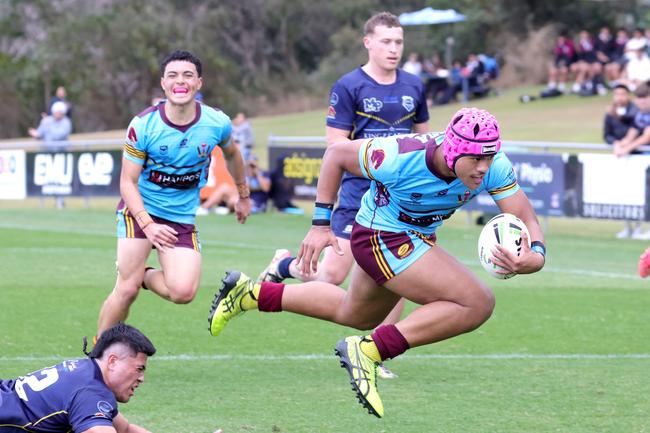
x=127 y=227
x=384 y=254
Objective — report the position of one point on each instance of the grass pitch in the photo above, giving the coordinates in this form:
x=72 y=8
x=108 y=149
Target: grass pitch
x=565 y=351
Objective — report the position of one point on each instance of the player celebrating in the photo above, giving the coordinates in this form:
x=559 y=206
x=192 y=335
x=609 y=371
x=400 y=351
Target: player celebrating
x=418 y=181
x=165 y=163
x=80 y=395
x=374 y=100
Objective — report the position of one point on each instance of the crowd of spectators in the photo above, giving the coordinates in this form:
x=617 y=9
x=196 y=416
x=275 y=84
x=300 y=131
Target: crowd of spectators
x=462 y=81
x=598 y=63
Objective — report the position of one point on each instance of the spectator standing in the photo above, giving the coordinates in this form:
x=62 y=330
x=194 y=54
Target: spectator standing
x=242 y=133
x=60 y=95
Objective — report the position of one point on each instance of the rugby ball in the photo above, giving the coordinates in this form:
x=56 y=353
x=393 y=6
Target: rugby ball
x=504 y=229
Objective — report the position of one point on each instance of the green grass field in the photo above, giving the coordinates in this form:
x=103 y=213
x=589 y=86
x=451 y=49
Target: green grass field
x=566 y=350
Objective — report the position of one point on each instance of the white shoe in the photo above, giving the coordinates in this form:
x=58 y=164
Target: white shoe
x=200 y=211
x=625 y=233
x=385 y=373
x=575 y=88
x=221 y=210
x=270 y=273
x=641 y=235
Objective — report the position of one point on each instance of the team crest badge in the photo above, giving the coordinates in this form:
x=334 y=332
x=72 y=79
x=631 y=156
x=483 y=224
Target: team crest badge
x=407 y=103
x=377 y=158
x=203 y=150
x=334 y=98
x=131 y=136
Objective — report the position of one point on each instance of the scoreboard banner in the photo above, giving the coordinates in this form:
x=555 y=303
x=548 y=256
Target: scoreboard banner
x=75 y=173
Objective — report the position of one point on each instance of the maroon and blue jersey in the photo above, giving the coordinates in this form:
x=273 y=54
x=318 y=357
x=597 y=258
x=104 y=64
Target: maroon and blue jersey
x=368 y=109
x=67 y=397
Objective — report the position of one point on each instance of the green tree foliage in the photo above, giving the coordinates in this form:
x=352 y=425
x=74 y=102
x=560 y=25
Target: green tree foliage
x=106 y=52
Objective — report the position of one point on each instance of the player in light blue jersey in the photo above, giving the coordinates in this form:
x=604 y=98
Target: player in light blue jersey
x=166 y=162
x=80 y=395
x=418 y=181
x=374 y=100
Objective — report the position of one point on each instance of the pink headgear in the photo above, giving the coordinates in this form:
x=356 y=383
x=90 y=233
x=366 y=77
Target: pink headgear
x=472 y=131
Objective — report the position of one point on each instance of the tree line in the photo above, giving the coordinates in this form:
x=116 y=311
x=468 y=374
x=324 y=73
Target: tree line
x=256 y=53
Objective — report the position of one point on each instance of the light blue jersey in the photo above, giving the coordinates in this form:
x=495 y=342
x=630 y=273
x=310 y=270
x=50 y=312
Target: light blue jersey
x=175 y=159
x=407 y=193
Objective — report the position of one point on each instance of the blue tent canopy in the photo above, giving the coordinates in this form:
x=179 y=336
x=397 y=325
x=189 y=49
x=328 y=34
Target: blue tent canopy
x=430 y=15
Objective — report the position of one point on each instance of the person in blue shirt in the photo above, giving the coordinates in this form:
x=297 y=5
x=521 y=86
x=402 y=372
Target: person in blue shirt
x=80 y=395
x=165 y=164
x=417 y=182
x=377 y=99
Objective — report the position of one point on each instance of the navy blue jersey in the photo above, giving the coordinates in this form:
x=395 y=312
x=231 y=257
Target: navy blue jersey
x=368 y=109
x=68 y=397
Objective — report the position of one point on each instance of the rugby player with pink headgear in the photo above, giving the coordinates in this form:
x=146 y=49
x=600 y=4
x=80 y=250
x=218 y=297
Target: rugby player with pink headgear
x=418 y=181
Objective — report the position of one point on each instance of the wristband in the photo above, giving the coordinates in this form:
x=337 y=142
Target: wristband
x=143 y=218
x=538 y=247
x=322 y=214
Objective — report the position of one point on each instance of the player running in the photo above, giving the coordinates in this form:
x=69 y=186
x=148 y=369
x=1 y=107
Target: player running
x=374 y=100
x=165 y=164
x=418 y=181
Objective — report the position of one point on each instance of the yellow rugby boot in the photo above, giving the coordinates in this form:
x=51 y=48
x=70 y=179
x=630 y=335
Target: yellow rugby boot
x=363 y=373
x=237 y=295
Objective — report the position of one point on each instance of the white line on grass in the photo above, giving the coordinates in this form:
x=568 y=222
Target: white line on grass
x=473 y=264
x=406 y=357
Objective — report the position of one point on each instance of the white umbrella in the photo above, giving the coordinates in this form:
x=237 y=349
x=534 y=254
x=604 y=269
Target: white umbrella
x=430 y=15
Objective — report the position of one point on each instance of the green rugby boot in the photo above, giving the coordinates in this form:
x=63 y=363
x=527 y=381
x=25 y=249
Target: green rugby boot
x=363 y=373
x=237 y=295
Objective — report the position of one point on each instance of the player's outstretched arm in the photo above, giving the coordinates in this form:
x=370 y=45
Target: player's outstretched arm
x=529 y=260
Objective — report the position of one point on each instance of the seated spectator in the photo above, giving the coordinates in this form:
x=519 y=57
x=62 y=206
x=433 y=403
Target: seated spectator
x=413 y=65
x=282 y=191
x=618 y=60
x=55 y=129
x=220 y=187
x=604 y=46
x=586 y=66
x=260 y=185
x=637 y=69
x=436 y=86
x=564 y=56
x=639 y=135
x=223 y=199
x=620 y=115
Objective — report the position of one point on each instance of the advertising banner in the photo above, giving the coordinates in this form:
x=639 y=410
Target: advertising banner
x=12 y=175
x=300 y=166
x=77 y=173
x=541 y=176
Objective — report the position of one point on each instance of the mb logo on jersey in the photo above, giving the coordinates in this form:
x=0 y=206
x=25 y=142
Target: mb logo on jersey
x=377 y=158
x=203 y=150
x=131 y=136
x=407 y=103
x=372 y=105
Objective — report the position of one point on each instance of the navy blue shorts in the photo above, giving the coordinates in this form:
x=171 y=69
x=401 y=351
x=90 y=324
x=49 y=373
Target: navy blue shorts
x=342 y=222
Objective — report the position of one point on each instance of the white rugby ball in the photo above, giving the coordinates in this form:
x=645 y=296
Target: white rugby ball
x=504 y=229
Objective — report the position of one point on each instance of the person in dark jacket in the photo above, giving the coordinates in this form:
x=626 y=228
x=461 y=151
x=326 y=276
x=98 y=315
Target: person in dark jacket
x=620 y=115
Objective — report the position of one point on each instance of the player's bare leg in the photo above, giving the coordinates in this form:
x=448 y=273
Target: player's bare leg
x=131 y=257
x=179 y=279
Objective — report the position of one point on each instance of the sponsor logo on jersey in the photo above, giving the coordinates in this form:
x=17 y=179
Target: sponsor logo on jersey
x=203 y=150
x=334 y=98
x=443 y=192
x=183 y=143
x=176 y=181
x=377 y=158
x=331 y=112
x=131 y=136
x=408 y=103
x=372 y=105
x=416 y=196
x=163 y=148
x=404 y=250
x=104 y=408
x=424 y=221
